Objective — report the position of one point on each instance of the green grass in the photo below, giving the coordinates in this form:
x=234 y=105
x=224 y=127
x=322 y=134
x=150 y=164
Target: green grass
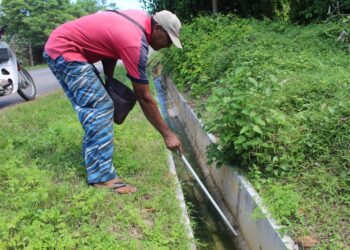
x=46 y=203
x=277 y=97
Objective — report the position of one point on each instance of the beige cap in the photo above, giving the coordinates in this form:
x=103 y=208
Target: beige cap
x=171 y=24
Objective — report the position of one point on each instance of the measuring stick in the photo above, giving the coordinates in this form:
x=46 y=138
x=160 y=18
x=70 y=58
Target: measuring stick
x=183 y=158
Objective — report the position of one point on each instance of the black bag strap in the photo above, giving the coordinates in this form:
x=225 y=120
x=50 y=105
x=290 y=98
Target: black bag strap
x=130 y=19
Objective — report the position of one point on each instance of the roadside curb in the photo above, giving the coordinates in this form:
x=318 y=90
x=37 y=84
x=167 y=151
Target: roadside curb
x=180 y=196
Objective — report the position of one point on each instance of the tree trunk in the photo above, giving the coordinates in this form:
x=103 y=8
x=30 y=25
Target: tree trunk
x=215 y=6
x=30 y=54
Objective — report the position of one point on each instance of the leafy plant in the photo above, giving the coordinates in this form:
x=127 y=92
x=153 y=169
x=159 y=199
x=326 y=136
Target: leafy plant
x=276 y=96
x=306 y=11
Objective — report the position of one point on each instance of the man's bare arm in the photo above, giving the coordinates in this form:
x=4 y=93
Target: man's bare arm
x=151 y=111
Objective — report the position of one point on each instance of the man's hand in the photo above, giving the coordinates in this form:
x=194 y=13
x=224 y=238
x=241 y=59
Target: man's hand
x=173 y=143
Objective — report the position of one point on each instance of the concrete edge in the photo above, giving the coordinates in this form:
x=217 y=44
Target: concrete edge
x=180 y=196
x=238 y=195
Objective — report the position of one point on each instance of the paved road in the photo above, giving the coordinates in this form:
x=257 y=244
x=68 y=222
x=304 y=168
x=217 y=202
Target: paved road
x=45 y=83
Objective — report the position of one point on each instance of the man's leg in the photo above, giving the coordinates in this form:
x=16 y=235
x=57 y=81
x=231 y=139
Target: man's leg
x=95 y=111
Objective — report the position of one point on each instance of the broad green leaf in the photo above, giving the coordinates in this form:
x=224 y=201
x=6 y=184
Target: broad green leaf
x=273 y=78
x=259 y=121
x=252 y=114
x=252 y=80
x=244 y=129
x=240 y=139
x=257 y=129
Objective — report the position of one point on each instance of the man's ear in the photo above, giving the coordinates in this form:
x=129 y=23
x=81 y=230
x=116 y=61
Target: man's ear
x=158 y=27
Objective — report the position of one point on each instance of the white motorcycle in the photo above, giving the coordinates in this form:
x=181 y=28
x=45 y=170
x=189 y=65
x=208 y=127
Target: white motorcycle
x=13 y=77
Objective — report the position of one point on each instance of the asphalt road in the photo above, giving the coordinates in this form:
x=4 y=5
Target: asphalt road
x=45 y=83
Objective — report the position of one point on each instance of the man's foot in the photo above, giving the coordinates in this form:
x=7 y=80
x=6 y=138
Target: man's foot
x=117 y=185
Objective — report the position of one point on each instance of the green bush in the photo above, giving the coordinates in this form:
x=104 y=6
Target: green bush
x=306 y=11
x=276 y=95
x=261 y=86
x=186 y=10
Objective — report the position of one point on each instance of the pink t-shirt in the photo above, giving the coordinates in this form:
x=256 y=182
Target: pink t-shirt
x=105 y=35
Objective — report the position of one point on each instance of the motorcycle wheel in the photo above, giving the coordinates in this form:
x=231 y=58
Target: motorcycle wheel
x=26 y=86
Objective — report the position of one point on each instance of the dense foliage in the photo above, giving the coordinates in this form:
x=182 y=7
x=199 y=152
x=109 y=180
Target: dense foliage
x=306 y=11
x=277 y=97
x=29 y=23
x=33 y=20
x=187 y=9
x=299 y=11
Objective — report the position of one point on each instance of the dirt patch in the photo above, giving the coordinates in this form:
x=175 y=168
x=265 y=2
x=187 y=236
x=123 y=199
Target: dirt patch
x=307 y=241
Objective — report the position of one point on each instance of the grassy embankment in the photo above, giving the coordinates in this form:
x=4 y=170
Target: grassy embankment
x=277 y=96
x=45 y=202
